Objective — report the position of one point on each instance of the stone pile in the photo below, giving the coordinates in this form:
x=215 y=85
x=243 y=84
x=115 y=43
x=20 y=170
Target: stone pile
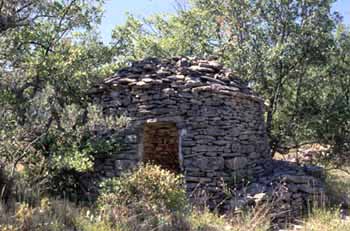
x=181 y=72
x=288 y=190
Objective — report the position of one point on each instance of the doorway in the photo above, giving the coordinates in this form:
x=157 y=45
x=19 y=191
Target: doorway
x=161 y=145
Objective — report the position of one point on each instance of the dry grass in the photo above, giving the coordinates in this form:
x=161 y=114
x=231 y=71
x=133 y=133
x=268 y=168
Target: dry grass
x=325 y=220
x=61 y=215
x=51 y=215
x=147 y=199
x=328 y=219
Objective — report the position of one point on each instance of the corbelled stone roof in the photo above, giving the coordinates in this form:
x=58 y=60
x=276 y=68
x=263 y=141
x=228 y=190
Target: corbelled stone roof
x=191 y=72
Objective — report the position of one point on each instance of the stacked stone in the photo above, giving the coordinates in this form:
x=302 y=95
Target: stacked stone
x=123 y=159
x=220 y=123
x=221 y=118
x=288 y=190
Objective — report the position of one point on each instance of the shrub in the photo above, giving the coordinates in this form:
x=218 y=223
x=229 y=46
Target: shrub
x=145 y=198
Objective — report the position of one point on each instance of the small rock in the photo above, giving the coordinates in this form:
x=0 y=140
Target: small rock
x=201 y=69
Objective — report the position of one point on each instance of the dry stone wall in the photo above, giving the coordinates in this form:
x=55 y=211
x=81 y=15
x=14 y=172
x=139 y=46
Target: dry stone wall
x=290 y=190
x=218 y=118
x=196 y=116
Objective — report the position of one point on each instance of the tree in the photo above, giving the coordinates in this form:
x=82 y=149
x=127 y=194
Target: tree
x=17 y=13
x=50 y=55
x=326 y=108
x=275 y=45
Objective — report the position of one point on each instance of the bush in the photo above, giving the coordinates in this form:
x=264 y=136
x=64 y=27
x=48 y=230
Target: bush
x=147 y=197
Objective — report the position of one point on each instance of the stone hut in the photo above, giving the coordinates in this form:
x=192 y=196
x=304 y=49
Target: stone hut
x=196 y=117
x=188 y=115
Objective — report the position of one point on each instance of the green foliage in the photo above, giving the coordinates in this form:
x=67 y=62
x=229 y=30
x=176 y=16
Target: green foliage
x=164 y=36
x=147 y=186
x=144 y=199
x=287 y=50
x=70 y=153
x=328 y=106
x=48 y=61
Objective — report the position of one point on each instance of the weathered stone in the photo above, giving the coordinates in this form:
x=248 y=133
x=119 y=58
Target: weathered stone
x=123 y=165
x=126 y=81
x=141 y=84
x=304 y=179
x=201 y=180
x=254 y=155
x=211 y=64
x=260 y=197
x=202 y=69
x=183 y=63
x=255 y=188
x=315 y=171
x=236 y=163
x=147 y=80
x=209 y=163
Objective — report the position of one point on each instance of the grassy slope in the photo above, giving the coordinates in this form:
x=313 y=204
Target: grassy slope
x=61 y=215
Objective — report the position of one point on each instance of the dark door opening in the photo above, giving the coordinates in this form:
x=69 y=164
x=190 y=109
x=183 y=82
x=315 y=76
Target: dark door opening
x=161 y=145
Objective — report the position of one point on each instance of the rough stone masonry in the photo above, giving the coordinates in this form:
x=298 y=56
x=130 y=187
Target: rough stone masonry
x=195 y=117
